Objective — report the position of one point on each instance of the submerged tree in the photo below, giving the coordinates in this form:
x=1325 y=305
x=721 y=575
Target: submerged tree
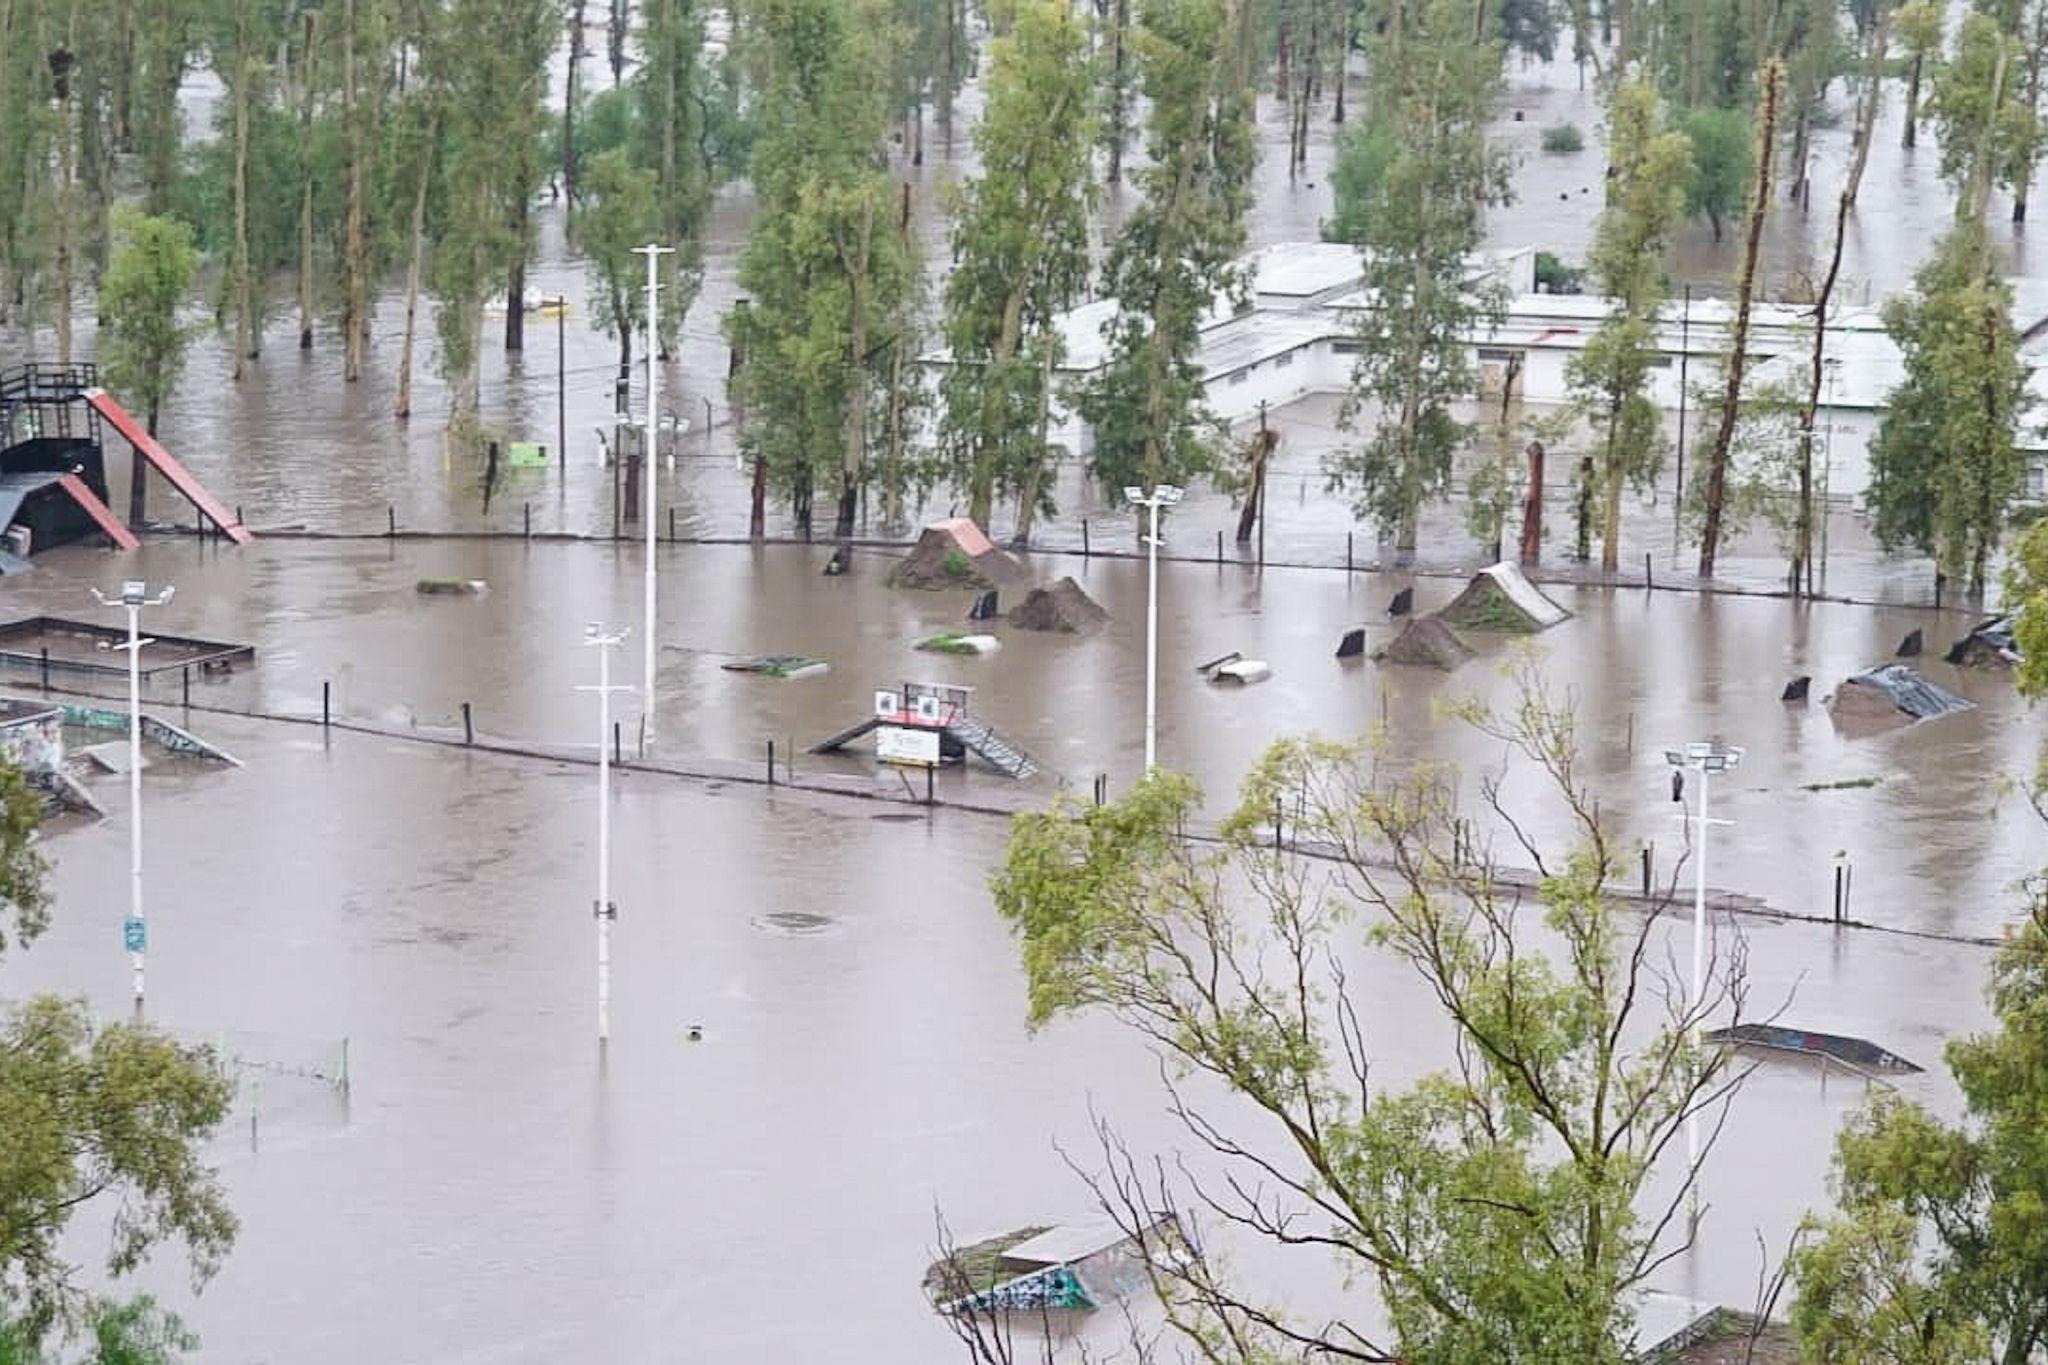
x=1610 y=376
x=619 y=210
x=1020 y=256
x=1946 y=465
x=1418 y=221
x=142 y=346
x=826 y=268
x=1504 y=1208
x=1176 y=252
x=672 y=142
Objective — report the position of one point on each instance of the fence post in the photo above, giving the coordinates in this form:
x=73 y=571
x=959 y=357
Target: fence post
x=1646 y=871
x=46 y=668
x=1219 y=547
x=1084 y=542
x=390 y=521
x=468 y=728
x=186 y=674
x=529 y=519
x=616 y=742
x=326 y=690
x=1347 y=552
x=671 y=523
x=1649 y=578
x=928 y=770
x=771 y=762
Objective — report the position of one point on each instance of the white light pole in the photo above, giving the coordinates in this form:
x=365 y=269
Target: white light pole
x=653 y=253
x=595 y=636
x=1706 y=759
x=133 y=598
x=1833 y=365
x=1163 y=495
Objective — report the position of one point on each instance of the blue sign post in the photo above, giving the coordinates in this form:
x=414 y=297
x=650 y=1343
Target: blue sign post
x=134 y=934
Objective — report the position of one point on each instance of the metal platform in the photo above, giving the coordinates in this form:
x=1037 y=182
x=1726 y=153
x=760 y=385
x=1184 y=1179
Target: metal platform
x=52 y=642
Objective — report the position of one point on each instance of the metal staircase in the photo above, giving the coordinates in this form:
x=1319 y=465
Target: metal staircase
x=1000 y=753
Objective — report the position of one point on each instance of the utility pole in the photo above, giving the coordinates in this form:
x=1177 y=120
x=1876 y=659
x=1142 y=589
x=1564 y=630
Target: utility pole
x=595 y=636
x=134 y=596
x=653 y=252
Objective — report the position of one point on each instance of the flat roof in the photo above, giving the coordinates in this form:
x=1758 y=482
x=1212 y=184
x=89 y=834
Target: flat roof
x=1067 y=1243
x=1304 y=269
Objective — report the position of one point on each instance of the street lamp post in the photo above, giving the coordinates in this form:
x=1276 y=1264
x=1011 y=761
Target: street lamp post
x=134 y=596
x=1705 y=758
x=1162 y=495
x=595 y=636
x=653 y=252
x=560 y=303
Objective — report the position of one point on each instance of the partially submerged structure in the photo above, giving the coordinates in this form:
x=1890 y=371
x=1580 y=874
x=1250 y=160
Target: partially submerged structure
x=778 y=666
x=939 y=710
x=1235 y=668
x=1859 y=1053
x=955 y=554
x=1991 y=644
x=1501 y=598
x=1427 y=642
x=955 y=643
x=1072 y=1266
x=1065 y=608
x=57 y=642
x=53 y=470
x=1891 y=694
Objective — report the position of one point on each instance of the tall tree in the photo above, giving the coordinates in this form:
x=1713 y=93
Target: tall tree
x=1119 y=82
x=142 y=344
x=414 y=160
x=620 y=211
x=2026 y=590
x=1945 y=465
x=1020 y=256
x=673 y=143
x=1815 y=45
x=1919 y=26
x=1648 y=170
x=1505 y=1208
x=1988 y=134
x=1938 y=1251
x=824 y=267
x=1175 y=253
x=1722 y=164
x=1714 y=496
x=492 y=80
x=1418 y=225
x=108 y=1117
x=168 y=40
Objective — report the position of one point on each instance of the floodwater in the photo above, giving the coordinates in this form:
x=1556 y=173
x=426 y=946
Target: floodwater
x=291 y=444
x=492 y=1190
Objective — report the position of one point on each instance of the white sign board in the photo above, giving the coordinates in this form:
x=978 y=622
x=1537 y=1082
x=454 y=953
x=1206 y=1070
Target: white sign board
x=902 y=744
x=887 y=704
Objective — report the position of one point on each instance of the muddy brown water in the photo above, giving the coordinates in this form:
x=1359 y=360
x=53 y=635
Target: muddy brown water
x=492 y=1191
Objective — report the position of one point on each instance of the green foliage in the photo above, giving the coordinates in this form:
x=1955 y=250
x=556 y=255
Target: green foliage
x=1553 y=276
x=830 y=276
x=1723 y=162
x=672 y=142
x=617 y=210
x=1421 y=218
x=151 y=272
x=24 y=894
x=137 y=1332
x=1563 y=137
x=1494 y=1205
x=1020 y=252
x=1609 y=378
x=1983 y=142
x=2026 y=588
x=1945 y=464
x=1363 y=155
x=1938 y=1251
x=1528 y=27
x=1176 y=251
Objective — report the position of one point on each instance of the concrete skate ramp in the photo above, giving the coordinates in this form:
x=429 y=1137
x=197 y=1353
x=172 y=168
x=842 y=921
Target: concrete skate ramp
x=1428 y=642
x=1502 y=599
x=955 y=554
x=1889 y=695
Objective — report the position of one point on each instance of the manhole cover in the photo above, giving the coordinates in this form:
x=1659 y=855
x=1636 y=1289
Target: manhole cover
x=794 y=922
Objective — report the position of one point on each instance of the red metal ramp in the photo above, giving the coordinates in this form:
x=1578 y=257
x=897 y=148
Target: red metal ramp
x=179 y=476
x=102 y=515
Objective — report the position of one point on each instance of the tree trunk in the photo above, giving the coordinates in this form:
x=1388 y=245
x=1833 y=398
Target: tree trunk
x=1119 y=94
x=244 y=323
x=1745 y=289
x=949 y=72
x=892 y=458
x=356 y=244
x=306 y=185
x=569 y=93
x=981 y=492
x=615 y=40
x=402 y=406
x=65 y=285
x=515 y=294
x=1866 y=114
x=1913 y=102
x=1532 y=507
x=2023 y=182
x=1028 y=491
x=121 y=80
x=1610 y=520
x=853 y=449
x=1583 y=546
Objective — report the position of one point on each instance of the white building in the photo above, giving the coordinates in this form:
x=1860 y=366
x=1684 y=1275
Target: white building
x=1296 y=335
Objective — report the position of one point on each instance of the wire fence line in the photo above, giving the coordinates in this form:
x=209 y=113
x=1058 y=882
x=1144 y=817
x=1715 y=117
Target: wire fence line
x=1446 y=569
x=769 y=775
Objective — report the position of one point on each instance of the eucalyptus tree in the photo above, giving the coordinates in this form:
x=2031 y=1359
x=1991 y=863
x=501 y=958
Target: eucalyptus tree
x=671 y=143
x=1175 y=254
x=1020 y=257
